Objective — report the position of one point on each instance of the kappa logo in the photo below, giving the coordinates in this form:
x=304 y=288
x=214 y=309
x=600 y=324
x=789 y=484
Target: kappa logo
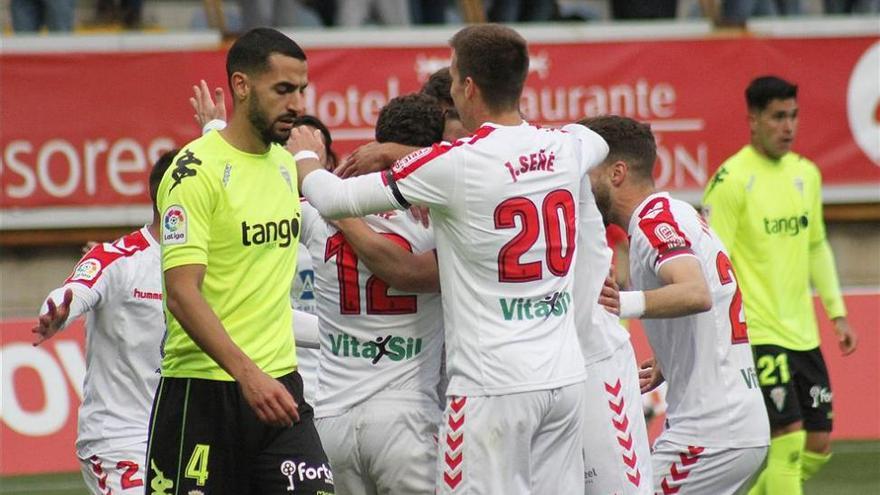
x=718 y=178
x=403 y=163
x=174 y=225
x=86 y=270
x=227 y=174
x=181 y=170
x=160 y=484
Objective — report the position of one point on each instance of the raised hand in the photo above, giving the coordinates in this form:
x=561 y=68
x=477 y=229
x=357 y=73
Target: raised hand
x=207 y=109
x=51 y=322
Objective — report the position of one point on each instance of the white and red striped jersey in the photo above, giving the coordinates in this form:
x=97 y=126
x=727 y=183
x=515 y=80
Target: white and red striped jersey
x=302 y=298
x=504 y=207
x=373 y=338
x=118 y=286
x=713 y=396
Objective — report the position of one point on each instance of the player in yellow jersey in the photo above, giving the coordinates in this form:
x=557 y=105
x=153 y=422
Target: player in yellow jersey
x=765 y=202
x=229 y=415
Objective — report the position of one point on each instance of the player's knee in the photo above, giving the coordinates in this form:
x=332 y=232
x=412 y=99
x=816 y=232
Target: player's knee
x=819 y=442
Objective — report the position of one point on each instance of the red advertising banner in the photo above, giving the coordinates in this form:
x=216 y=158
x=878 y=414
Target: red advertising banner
x=42 y=388
x=81 y=130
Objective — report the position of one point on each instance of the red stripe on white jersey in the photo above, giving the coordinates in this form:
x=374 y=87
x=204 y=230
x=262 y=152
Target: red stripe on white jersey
x=659 y=226
x=412 y=162
x=92 y=265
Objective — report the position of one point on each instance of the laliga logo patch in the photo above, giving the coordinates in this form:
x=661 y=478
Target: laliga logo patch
x=87 y=270
x=667 y=234
x=174 y=225
x=863 y=103
x=408 y=160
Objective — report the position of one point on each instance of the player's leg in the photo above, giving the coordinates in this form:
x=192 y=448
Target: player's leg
x=398 y=438
x=616 y=450
x=288 y=460
x=341 y=442
x=557 y=459
x=195 y=443
x=694 y=470
x=814 y=392
x=782 y=473
x=485 y=443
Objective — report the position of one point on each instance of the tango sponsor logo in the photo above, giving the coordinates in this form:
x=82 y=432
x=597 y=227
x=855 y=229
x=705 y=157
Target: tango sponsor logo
x=281 y=233
x=519 y=308
x=790 y=226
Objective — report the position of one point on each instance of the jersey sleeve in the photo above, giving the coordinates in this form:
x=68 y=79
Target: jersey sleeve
x=90 y=283
x=823 y=272
x=664 y=239
x=186 y=200
x=722 y=206
x=310 y=221
x=425 y=177
x=593 y=147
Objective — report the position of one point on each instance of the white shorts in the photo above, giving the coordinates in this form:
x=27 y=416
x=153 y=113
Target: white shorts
x=122 y=471
x=512 y=444
x=616 y=449
x=386 y=445
x=690 y=469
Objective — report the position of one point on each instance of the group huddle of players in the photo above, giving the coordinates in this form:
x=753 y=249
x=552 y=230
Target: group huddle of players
x=472 y=345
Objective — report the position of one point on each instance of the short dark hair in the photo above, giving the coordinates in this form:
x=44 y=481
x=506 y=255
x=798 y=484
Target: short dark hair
x=629 y=141
x=439 y=85
x=250 y=53
x=312 y=121
x=497 y=58
x=764 y=89
x=158 y=172
x=415 y=119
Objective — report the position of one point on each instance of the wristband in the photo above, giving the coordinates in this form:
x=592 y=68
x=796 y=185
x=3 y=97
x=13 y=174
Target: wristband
x=214 y=125
x=306 y=154
x=632 y=304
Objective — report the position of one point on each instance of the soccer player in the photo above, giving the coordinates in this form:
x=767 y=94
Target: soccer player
x=686 y=292
x=439 y=85
x=504 y=208
x=118 y=286
x=765 y=202
x=229 y=415
x=376 y=407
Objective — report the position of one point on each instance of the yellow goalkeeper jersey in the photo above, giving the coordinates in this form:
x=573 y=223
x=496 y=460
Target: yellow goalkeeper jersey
x=768 y=213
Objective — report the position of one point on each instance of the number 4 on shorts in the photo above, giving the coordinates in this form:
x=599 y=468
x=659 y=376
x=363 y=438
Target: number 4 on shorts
x=197 y=467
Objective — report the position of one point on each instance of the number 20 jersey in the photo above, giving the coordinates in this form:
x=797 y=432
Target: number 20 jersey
x=713 y=396
x=373 y=338
x=504 y=208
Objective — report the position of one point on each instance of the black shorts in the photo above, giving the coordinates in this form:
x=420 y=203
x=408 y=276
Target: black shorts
x=795 y=385
x=205 y=439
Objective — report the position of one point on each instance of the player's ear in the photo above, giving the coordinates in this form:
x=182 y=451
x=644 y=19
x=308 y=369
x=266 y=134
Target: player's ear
x=470 y=88
x=240 y=86
x=618 y=173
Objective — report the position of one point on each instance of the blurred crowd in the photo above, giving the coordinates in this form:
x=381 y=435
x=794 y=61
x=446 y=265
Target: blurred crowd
x=58 y=15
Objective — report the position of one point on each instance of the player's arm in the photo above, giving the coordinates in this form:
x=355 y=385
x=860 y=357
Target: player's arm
x=399 y=268
x=305 y=330
x=823 y=275
x=684 y=292
x=372 y=157
x=723 y=206
x=268 y=397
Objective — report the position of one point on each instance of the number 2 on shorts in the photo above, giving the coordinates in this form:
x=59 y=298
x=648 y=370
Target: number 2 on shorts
x=197 y=467
x=768 y=364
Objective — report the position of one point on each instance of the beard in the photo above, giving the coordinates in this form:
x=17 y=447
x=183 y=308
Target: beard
x=265 y=126
x=603 y=201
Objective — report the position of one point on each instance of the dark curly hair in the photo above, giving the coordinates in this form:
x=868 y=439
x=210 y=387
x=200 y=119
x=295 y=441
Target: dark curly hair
x=628 y=140
x=415 y=119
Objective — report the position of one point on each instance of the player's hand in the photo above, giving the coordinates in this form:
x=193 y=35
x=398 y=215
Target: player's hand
x=88 y=246
x=50 y=323
x=207 y=109
x=846 y=337
x=367 y=158
x=650 y=375
x=609 y=297
x=269 y=399
x=421 y=215
x=301 y=138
